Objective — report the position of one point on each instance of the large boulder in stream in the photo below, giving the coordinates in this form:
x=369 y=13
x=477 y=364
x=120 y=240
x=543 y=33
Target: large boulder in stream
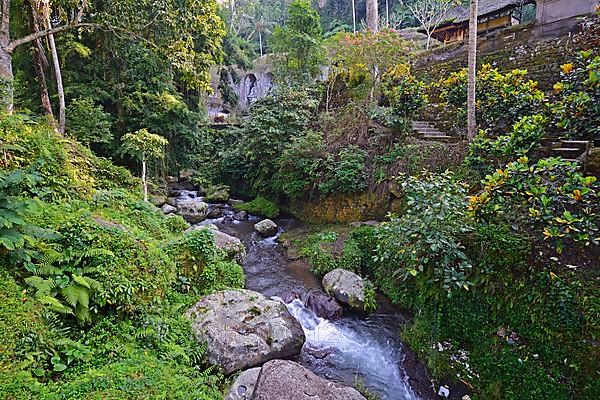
x=233 y=246
x=266 y=227
x=346 y=287
x=281 y=379
x=321 y=304
x=243 y=329
x=192 y=210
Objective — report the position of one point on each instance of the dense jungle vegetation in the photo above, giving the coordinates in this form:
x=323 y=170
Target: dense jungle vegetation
x=493 y=246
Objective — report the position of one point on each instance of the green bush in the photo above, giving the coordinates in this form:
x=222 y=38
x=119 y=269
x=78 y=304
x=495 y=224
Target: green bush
x=259 y=206
x=88 y=122
x=423 y=246
x=344 y=173
x=502 y=99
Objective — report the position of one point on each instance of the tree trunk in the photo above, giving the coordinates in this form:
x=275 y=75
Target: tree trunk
x=144 y=182
x=6 y=81
x=471 y=117
x=6 y=73
x=372 y=15
x=387 y=13
x=260 y=42
x=353 y=17
x=58 y=76
x=39 y=63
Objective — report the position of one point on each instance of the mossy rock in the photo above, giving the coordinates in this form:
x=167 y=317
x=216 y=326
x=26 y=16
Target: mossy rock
x=259 y=206
x=217 y=194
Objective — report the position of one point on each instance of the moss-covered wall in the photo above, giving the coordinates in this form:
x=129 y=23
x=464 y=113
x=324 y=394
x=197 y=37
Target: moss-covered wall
x=539 y=49
x=343 y=208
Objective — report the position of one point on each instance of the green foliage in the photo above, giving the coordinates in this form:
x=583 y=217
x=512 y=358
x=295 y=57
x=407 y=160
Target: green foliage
x=273 y=122
x=423 y=245
x=300 y=165
x=260 y=206
x=203 y=265
x=549 y=196
x=403 y=92
x=144 y=145
x=575 y=106
x=357 y=59
x=344 y=173
x=502 y=99
x=487 y=154
x=13 y=229
x=298 y=45
x=87 y=122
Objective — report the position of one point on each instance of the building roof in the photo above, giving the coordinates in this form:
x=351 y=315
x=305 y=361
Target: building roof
x=460 y=14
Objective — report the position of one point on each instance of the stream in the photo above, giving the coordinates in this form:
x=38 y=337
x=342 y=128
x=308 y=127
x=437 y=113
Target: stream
x=356 y=349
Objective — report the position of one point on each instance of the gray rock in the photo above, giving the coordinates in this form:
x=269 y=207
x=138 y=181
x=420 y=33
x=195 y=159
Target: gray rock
x=215 y=212
x=168 y=209
x=186 y=174
x=346 y=287
x=192 y=210
x=243 y=387
x=235 y=202
x=231 y=245
x=243 y=329
x=266 y=227
x=281 y=379
x=321 y=304
x=172 y=201
x=217 y=194
x=158 y=200
x=240 y=216
x=172 y=179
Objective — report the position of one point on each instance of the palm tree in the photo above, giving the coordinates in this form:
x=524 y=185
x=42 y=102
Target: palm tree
x=471 y=117
x=260 y=26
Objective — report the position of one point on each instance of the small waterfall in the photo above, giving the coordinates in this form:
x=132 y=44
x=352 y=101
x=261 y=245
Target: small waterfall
x=367 y=359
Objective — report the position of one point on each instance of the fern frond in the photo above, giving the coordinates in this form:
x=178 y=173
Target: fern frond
x=55 y=305
x=74 y=294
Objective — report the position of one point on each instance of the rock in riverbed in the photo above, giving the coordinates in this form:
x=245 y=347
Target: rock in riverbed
x=243 y=329
x=168 y=209
x=346 y=287
x=243 y=387
x=321 y=304
x=192 y=210
x=281 y=379
x=266 y=228
x=233 y=246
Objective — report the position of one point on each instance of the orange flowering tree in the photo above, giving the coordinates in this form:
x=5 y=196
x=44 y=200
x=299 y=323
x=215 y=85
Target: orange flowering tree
x=361 y=58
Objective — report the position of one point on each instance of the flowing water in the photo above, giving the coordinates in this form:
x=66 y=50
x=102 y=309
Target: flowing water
x=354 y=349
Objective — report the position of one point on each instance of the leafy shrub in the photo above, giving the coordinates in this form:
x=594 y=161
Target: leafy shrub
x=260 y=206
x=300 y=165
x=424 y=244
x=346 y=174
x=575 y=107
x=403 y=92
x=88 y=122
x=548 y=196
x=502 y=99
x=486 y=154
x=273 y=122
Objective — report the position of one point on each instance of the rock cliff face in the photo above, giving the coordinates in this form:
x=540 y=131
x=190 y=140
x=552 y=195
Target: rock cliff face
x=246 y=86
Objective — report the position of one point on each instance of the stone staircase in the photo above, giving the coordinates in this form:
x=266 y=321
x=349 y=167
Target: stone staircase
x=569 y=150
x=427 y=131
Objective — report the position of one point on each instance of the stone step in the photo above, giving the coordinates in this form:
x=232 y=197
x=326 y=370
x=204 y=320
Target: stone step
x=567 y=150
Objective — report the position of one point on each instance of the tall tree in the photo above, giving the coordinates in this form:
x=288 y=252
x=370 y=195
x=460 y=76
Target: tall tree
x=373 y=15
x=185 y=33
x=471 y=117
x=39 y=61
x=299 y=44
x=430 y=14
x=8 y=46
